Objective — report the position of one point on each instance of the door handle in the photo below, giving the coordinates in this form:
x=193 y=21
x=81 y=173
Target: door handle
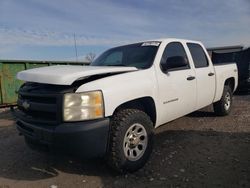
x=210 y=74
x=190 y=78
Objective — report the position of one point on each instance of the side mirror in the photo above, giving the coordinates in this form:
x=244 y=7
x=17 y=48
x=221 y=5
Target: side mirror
x=174 y=62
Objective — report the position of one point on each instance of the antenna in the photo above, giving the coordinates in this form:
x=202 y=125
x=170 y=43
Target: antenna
x=75 y=47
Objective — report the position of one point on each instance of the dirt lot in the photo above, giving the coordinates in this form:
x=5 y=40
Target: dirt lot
x=199 y=150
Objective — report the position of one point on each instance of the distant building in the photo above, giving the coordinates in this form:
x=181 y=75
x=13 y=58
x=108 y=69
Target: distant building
x=225 y=49
x=238 y=54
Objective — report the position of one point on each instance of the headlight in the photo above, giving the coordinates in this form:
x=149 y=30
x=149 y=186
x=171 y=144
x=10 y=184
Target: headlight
x=83 y=106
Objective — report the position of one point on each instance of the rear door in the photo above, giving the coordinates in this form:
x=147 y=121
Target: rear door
x=205 y=75
x=177 y=87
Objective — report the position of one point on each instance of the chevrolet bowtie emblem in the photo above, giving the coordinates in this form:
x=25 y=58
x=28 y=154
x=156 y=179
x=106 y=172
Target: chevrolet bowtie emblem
x=26 y=105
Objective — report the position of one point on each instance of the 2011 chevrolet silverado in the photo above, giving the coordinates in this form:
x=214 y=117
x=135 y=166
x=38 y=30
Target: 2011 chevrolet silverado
x=111 y=108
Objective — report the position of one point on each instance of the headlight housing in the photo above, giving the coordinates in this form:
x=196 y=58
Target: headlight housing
x=83 y=106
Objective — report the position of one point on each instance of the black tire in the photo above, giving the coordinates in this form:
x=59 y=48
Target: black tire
x=122 y=122
x=224 y=105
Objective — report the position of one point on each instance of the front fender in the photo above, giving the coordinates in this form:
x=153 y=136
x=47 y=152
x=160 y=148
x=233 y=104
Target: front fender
x=118 y=89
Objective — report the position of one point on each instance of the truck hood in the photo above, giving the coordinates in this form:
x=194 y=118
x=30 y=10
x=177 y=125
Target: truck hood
x=67 y=74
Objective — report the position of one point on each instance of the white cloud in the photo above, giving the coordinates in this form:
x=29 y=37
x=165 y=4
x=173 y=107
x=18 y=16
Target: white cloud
x=108 y=23
x=46 y=38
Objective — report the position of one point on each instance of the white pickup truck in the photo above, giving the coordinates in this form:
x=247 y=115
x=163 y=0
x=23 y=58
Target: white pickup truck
x=111 y=108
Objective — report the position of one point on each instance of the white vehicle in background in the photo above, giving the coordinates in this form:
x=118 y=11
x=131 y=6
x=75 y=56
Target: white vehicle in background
x=112 y=107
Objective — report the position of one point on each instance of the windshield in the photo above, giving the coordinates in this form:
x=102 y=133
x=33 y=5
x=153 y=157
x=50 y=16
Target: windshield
x=139 y=55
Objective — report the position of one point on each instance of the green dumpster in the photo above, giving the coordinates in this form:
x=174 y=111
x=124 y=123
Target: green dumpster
x=9 y=85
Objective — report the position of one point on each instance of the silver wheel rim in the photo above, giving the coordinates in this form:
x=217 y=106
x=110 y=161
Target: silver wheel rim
x=135 y=142
x=227 y=101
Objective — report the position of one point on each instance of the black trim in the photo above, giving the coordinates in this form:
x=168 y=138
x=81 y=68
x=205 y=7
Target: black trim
x=178 y=69
x=190 y=78
x=44 y=102
x=78 y=83
x=87 y=139
x=39 y=119
x=225 y=63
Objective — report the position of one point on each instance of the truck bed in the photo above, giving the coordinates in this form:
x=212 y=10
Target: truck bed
x=222 y=72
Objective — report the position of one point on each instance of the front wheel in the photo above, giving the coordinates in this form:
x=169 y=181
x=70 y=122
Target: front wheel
x=224 y=105
x=131 y=140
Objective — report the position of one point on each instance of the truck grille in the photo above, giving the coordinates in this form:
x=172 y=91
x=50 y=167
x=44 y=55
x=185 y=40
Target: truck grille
x=39 y=104
x=38 y=108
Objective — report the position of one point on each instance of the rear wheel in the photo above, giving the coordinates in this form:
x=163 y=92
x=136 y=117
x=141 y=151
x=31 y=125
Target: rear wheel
x=223 y=106
x=131 y=140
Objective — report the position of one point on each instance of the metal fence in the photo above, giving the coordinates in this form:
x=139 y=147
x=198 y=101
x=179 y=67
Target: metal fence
x=9 y=85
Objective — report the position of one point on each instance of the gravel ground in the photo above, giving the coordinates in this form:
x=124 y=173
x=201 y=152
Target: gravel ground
x=198 y=150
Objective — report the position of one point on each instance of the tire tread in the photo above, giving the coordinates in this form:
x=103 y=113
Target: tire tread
x=118 y=123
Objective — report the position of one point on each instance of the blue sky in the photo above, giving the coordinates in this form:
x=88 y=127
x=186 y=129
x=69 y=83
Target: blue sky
x=44 y=29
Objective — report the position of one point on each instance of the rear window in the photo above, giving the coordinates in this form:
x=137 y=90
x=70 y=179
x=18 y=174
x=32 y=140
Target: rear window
x=198 y=55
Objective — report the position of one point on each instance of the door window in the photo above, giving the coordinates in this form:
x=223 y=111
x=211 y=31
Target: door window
x=172 y=50
x=198 y=55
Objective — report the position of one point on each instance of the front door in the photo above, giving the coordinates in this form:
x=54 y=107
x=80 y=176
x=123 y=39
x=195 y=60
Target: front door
x=177 y=87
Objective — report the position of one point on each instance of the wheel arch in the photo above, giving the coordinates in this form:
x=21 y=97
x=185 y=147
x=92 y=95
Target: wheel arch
x=230 y=82
x=145 y=104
